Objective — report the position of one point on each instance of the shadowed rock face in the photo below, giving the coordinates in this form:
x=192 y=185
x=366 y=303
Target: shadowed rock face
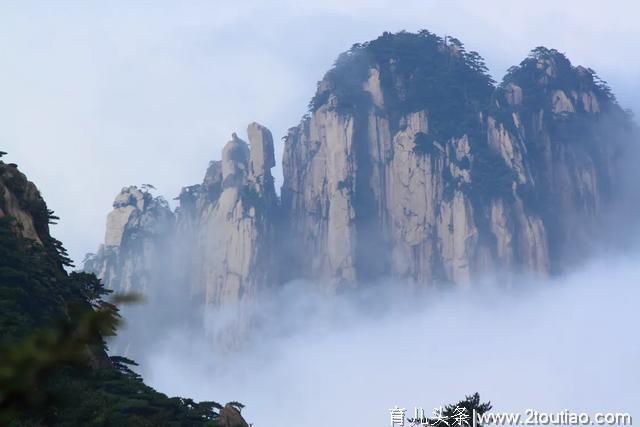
x=20 y=199
x=411 y=164
x=464 y=180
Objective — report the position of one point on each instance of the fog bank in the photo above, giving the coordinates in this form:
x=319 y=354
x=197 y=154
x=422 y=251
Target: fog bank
x=318 y=360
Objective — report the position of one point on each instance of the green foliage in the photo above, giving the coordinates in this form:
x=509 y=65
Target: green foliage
x=188 y=197
x=491 y=177
x=250 y=199
x=450 y=184
x=425 y=144
x=418 y=72
x=556 y=73
x=586 y=134
x=465 y=163
x=54 y=369
x=239 y=406
x=471 y=405
x=345 y=184
x=425 y=72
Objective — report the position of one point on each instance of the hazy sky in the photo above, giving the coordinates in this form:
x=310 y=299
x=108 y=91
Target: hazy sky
x=98 y=95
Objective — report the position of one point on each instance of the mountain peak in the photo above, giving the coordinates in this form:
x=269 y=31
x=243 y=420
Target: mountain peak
x=548 y=78
x=405 y=73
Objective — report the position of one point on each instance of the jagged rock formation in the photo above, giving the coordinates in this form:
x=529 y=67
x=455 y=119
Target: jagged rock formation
x=411 y=164
x=215 y=250
x=236 y=233
x=565 y=137
x=222 y=233
x=138 y=230
x=230 y=221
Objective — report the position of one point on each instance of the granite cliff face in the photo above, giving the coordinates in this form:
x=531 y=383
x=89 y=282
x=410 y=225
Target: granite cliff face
x=139 y=228
x=217 y=244
x=564 y=130
x=411 y=164
x=414 y=166
x=236 y=234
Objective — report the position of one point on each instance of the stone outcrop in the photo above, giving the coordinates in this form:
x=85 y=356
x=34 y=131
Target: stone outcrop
x=139 y=229
x=20 y=200
x=218 y=243
x=230 y=417
x=236 y=231
x=411 y=164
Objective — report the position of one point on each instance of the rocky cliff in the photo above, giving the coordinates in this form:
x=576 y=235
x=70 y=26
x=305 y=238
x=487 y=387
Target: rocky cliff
x=20 y=199
x=216 y=250
x=219 y=239
x=413 y=164
x=55 y=366
x=236 y=233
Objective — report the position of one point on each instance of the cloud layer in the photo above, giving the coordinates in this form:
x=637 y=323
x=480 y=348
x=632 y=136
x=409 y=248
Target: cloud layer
x=567 y=344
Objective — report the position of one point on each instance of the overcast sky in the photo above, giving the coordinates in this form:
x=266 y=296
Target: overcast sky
x=98 y=95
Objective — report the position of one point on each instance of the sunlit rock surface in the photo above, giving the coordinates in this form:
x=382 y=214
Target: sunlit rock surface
x=411 y=164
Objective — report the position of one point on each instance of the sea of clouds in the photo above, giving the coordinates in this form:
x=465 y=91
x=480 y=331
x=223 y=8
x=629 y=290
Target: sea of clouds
x=568 y=343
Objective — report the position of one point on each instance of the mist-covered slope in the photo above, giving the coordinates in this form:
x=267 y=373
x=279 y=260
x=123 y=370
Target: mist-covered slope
x=54 y=366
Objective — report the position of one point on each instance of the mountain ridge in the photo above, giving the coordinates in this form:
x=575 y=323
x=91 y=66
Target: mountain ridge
x=411 y=164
